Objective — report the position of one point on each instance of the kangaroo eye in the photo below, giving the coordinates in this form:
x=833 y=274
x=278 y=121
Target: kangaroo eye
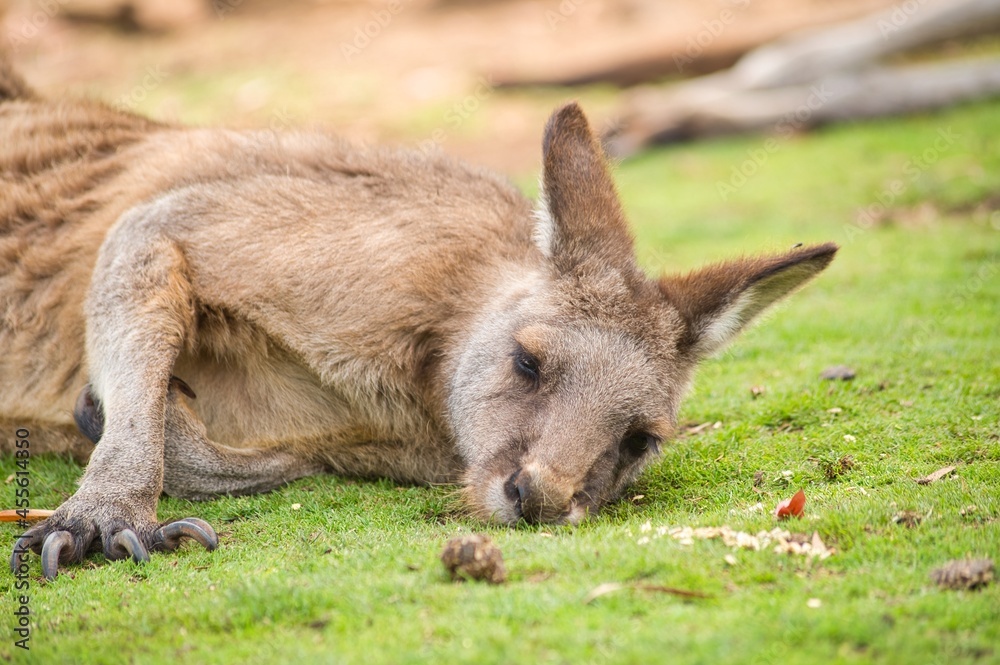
x=526 y=365
x=640 y=443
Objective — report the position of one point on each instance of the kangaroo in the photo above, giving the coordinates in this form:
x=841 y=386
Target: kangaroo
x=225 y=312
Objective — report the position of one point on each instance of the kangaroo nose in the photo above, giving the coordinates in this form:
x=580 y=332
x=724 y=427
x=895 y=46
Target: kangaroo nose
x=530 y=509
x=518 y=490
x=539 y=499
x=528 y=497
x=522 y=492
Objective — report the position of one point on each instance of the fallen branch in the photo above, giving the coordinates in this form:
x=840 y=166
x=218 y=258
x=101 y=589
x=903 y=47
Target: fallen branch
x=32 y=515
x=822 y=76
x=612 y=587
x=679 y=53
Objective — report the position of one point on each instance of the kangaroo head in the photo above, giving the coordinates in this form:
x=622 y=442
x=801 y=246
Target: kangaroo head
x=570 y=385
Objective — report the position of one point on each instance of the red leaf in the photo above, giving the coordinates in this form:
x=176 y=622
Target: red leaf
x=791 y=507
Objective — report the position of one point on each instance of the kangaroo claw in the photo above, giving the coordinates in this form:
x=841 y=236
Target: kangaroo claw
x=21 y=547
x=127 y=540
x=190 y=527
x=54 y=543
x=72 y=531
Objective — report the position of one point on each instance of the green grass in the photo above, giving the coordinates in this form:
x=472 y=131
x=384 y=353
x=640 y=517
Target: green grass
x=912 y=303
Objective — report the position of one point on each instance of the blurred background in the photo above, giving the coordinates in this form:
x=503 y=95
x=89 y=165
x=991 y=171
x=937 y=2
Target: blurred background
x=872 y=123
x=740 y=126
x=477 y=78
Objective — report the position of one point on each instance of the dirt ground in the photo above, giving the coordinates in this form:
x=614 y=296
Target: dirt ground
x=410 y=71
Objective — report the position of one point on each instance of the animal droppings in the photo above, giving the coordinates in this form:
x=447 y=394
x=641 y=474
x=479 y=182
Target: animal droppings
x=964 y=574
x=837 y=373
x=908 y=518
x=474 y=557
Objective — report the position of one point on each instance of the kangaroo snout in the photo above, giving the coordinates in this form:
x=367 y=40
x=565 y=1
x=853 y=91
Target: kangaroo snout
x=540 y=494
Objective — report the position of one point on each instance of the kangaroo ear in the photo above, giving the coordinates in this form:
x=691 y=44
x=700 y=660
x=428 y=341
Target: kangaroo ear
x=579 y=218
x=719 y=301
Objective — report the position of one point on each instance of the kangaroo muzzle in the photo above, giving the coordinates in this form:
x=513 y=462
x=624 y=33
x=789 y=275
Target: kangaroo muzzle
x=539 y=494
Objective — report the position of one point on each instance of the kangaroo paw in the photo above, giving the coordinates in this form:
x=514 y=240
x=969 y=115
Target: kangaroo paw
x=67 y=536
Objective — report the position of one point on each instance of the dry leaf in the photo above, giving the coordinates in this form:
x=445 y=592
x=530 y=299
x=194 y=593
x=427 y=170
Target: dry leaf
x=793 y=507
x=934 y=477
x=602 y=590
x=818 y=548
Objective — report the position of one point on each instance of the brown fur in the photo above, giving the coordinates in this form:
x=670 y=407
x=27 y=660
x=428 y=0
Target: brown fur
x=366 y=311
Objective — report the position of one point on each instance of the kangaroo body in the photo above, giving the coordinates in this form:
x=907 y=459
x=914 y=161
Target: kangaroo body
x=286 y=230
x=227 y=311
